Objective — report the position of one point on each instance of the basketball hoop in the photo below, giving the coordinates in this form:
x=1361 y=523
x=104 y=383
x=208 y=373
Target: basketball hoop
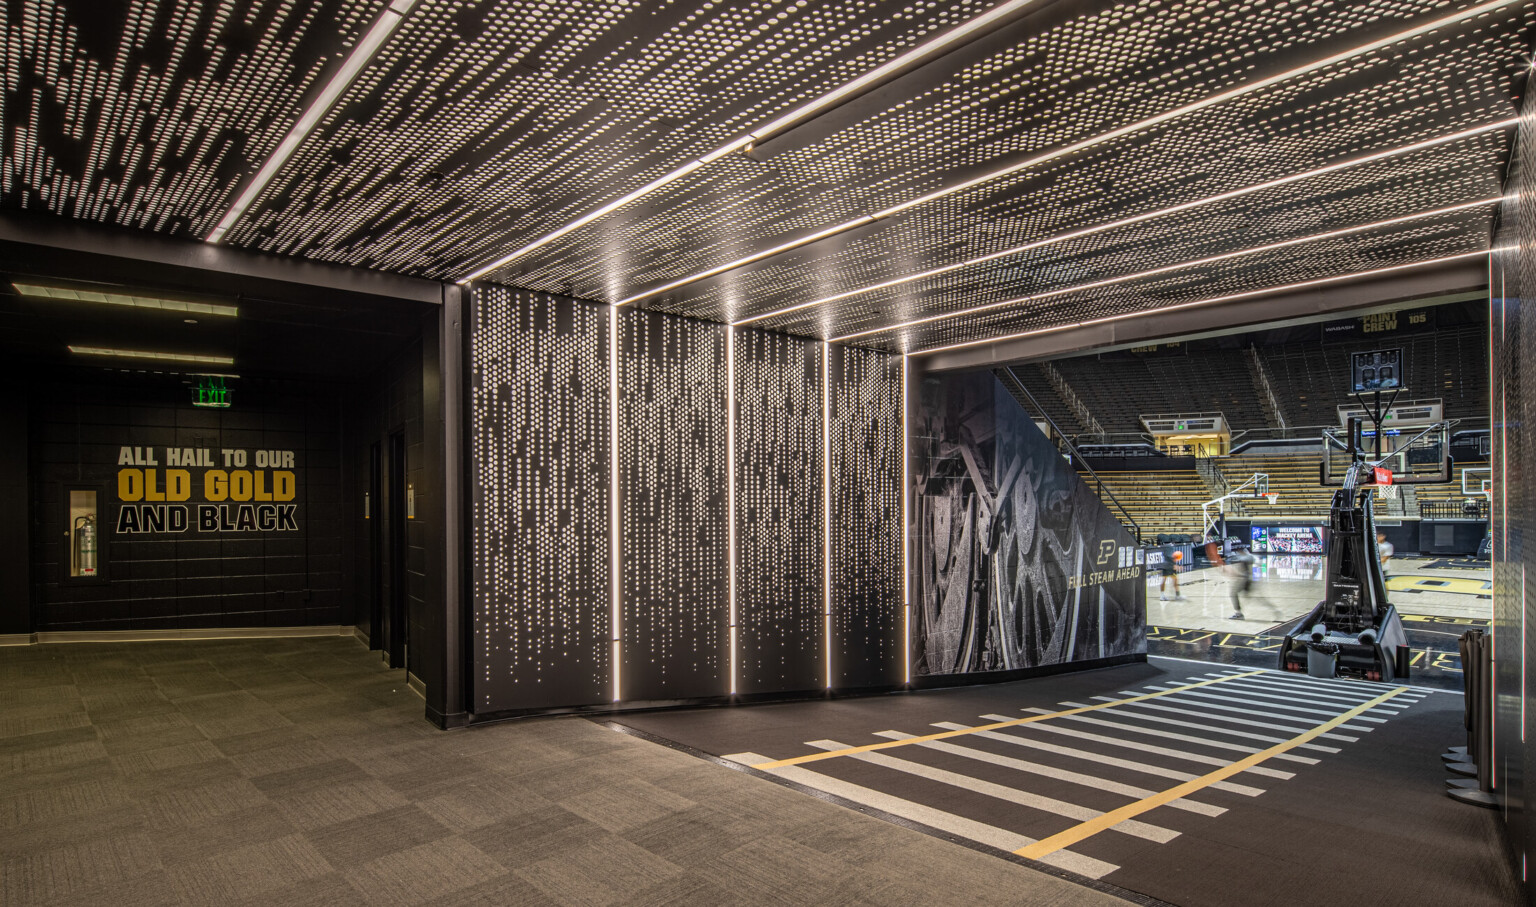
x=1273 y=497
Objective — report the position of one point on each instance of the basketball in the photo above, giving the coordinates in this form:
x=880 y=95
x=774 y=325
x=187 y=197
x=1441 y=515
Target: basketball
x=1178 y=556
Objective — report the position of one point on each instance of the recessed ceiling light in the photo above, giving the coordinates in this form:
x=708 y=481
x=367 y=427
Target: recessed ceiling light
x=81 y=294
x=144 y=354
x=189 y=320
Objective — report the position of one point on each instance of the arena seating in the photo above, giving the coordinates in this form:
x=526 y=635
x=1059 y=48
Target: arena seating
x=1038 y=385
x=1293 y=476
x=1120 y=390
x=1159 y=502
x=1451 y=493
x=1311 y=380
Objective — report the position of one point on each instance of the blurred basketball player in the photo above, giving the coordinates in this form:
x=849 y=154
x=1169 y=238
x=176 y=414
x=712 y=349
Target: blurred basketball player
x=1170 y=569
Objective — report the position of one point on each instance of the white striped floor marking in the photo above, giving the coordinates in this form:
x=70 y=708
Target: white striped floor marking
x=1299 y=697
x=949 y=823
x=1280 y=684
x=1195 y=725
x=1060 y=774
x=1133 y=827
x=1347 y=685
x=1244 y=711
x=1320 y=713
x=1156 y=771
x=1184 y=738
x=1145 y=748
x=1329 y=698
x=1131 y=709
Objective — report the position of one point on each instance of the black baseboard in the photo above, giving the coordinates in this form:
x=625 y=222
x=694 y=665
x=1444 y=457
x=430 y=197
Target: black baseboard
x=938 y=681
x=448 y=720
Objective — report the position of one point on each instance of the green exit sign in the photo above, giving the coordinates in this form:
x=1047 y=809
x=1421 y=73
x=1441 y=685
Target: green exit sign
x=210 y=392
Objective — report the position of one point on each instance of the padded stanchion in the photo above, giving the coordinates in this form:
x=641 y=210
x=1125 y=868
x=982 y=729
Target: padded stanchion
x=1473 y=760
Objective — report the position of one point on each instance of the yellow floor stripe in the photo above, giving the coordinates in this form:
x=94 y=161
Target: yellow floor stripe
x=833 y=754
x=1093 y=826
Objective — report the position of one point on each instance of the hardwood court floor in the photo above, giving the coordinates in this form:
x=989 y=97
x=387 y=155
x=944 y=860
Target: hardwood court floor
x=301 y=771
x=1198 y=785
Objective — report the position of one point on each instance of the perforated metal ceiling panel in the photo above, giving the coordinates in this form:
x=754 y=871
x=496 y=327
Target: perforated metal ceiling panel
x=1423 y=240
x=1085 y=78
x=148 y=114
x=480 y=127
x=484 y=124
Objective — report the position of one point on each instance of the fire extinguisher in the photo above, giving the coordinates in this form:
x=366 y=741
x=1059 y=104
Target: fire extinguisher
x=85 y=545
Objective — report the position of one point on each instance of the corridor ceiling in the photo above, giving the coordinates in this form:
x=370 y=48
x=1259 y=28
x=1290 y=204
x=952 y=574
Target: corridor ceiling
x=830 y=168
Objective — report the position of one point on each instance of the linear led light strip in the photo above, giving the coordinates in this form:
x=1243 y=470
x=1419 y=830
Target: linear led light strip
x=613 y=492
x=37 y=291
x=1048 y=156
x=360 y=57
x=826 y=503
x=1177 y=266
x=1284 y=288
x=144 y=354
x=730 y=491
x=906 y=579
x=1139 y=218
x=937 y=46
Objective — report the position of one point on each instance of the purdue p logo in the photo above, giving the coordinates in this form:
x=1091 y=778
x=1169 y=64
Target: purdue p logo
x=1107 y=548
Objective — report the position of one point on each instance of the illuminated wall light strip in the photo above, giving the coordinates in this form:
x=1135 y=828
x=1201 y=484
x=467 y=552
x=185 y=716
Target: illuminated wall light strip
x=613 y=494
x=1284 y=288
x=730 y=492
x=1109 y=281
x=826 y=503
x=36 y=291
x=1119 y=132
x=906 y=545
x=360 y=57
x=145 y=354
x=1100 y=228
x=911 y=57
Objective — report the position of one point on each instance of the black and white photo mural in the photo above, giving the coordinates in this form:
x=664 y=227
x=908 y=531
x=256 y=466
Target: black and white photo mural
x=1017 y=564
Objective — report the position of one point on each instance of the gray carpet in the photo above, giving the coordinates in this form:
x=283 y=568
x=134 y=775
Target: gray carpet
x=301 y=771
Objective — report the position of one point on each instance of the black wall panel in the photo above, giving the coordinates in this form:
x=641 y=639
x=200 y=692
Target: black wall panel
x=780 y=588
x=674 y=605
x=866 y=427
x=539 y=410
x=15 y=531
x=193 y=578
x=1513 y=328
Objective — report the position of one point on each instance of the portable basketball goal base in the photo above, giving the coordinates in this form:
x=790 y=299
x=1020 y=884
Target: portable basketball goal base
x=1211 y=512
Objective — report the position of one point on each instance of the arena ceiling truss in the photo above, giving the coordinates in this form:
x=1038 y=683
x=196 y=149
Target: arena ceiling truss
x=909 y=176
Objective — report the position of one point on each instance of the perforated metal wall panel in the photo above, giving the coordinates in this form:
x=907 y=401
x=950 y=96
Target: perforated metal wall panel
x=780 y=599
x=150 y=113
x=1512 y=326
x=674 y=606
x=866 y=427
x=539 y=416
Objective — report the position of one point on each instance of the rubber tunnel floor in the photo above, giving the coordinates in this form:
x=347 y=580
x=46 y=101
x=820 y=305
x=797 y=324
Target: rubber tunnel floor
x=1193 y=784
